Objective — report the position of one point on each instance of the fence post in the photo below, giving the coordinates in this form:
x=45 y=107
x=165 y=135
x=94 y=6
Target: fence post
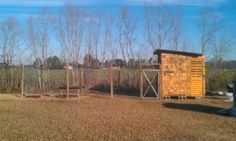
x=141 y=82
x=82 y=80
x=22 y=80
x=111 y=80
x=11 y=76
x=118 y=90
x=67 y=80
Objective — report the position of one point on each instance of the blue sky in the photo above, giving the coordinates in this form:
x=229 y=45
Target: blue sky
x=190 y=9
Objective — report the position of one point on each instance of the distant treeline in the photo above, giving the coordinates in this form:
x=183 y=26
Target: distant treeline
x=222 y=64
x=54 y=62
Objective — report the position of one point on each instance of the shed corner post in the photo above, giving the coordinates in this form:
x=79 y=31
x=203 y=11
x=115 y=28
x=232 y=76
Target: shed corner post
x=160 y=77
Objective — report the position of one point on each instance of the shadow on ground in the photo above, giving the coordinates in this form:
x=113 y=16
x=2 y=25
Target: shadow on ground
x=193 y=107
x=117 y=90
x=122 y=91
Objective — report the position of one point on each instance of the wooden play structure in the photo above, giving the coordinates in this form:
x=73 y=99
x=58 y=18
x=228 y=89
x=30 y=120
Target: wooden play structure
x=181 y=74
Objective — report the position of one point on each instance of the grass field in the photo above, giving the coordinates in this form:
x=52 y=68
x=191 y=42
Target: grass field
x=124 y=118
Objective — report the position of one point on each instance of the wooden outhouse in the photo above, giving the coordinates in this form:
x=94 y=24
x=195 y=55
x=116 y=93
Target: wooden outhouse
x=181 y=73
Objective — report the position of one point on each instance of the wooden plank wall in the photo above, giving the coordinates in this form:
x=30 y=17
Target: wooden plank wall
x=182 y=75
x=197 y=76
x=175 y=75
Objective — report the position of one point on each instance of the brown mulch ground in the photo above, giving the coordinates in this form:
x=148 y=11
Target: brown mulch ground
x=123 y=118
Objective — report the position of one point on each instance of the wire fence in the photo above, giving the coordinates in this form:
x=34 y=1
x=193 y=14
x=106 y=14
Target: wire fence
x=125 y=80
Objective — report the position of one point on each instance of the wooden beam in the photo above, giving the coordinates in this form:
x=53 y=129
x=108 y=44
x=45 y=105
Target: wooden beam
x=22 y=80
x=82 y=80
x=151 y=70
x=158 y=83
x=141 y=82
x=118 y=81
x=111 y=80
x=67 y=80
x=150 y=64
x=160 y=80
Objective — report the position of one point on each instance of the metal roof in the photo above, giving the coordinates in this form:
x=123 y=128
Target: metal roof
x=159 y=51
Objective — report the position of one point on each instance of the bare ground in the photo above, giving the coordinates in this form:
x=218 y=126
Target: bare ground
x=123 y=118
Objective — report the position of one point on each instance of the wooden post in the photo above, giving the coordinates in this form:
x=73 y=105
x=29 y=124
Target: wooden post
x=11 y=83
x=67 y=81
x=160 y=81
x=82 y=80
x=118 y=90
x=157 y=82
x=22 y=80
x=111 y=80
x=141 y=82
x=204 y=76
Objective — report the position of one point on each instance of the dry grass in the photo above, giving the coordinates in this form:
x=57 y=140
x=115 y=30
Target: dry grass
x=124 y=118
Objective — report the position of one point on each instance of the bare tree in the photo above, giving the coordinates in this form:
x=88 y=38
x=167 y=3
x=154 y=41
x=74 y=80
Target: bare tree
x=187 y=45
x=10 y=37
x=211 y=39
x=176 y=28
x=33 y=45
x=158 y=25
x=71 y=27
x=222 y=45
x=71 y=31
x=44 y=21
x=93 y=30
x=126 y=30
x=108 y=39
x=38 y=42
x=208 y=26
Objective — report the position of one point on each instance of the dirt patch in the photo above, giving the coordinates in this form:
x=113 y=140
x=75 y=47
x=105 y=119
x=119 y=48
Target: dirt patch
x=123 y=118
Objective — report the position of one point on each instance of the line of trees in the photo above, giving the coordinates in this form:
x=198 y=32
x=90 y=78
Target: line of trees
x=79 y=36
x=75 y=32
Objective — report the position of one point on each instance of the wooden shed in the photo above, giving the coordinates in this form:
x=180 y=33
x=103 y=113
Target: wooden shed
x=181 y=73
